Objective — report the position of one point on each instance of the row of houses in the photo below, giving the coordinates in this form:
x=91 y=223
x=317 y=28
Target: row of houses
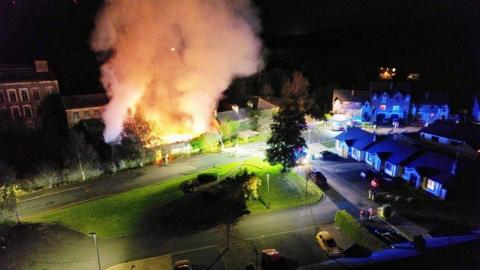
x=389 y=101
x=421 y=168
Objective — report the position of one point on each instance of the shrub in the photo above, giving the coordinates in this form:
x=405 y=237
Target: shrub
x=211 y=194
x=387 y=211
x=187 y=186
x=352 y=228
x=205 y=178
x=251 y=188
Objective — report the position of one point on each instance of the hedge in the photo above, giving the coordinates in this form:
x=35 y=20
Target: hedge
x=205 y=178
x=350 y=226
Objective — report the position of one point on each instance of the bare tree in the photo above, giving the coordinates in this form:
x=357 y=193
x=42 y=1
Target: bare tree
x=48 y=171
x=82 y=152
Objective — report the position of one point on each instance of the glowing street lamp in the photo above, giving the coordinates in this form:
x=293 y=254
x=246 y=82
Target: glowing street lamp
x=94 y=235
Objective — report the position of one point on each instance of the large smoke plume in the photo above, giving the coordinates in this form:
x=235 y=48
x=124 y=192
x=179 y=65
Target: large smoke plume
x=173 y=58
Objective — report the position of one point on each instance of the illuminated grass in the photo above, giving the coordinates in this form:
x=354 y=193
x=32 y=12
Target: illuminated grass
x=121 y=214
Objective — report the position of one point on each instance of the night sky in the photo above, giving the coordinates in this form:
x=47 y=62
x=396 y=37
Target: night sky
x=334 y=40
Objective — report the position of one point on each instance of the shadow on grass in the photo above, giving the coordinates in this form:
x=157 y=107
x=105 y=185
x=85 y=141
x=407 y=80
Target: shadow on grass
x=222 y=203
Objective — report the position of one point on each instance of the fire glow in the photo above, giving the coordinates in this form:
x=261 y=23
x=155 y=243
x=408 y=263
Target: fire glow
x=173 y=59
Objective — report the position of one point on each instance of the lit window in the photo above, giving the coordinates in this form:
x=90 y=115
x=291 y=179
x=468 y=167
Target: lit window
x=12 y=96
x=76 y=115
x=86 y=114
x=396 y=107
x=36 y=94
x=97 y=113
x=24 y=95
x=431 y=184
x=27 y=111
x=383 y=107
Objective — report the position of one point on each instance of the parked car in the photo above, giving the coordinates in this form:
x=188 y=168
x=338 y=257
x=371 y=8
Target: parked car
x=389 y=237
x=369 y=174
x=327 y=155
x=328 y=244
x=183 y=265
x=317 y=177
x=376 y=182
x=270 y=256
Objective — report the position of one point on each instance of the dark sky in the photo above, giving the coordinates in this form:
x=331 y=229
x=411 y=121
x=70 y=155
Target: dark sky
x=329 y=39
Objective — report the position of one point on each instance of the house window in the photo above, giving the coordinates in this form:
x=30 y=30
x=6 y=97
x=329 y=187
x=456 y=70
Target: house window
x=24 y=95
x=36 y=94
x=15 y=112
x=384 y=99
x=76 y=116
x=2 y=98
x=396 y=107
x=12 y=95
x=435 y=139
x=354 y=152
x=48 y=90
x=97 y=113
x=370 y=158
x=383 y=107
x=27 y=111
x=86 y=114
x=388 y=166
x=431 y=185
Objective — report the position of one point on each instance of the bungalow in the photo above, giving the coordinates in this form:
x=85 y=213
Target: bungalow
x=431 y=107
x=353 y=103
x=431 y=172
x=389 y=155
x=353 y=141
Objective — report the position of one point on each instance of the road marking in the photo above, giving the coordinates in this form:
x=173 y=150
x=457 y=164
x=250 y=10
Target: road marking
x=52 y=193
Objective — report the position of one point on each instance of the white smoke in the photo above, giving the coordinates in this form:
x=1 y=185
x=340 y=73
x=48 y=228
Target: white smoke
x=174 y=59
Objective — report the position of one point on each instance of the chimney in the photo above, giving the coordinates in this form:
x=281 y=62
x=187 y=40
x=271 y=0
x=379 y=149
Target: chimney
x=353 y=92
x=41 y=66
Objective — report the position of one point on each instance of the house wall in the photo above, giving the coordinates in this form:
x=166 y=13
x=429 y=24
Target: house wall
x=434 y=188
x=431 y=113
x=386 y=106
x=439 y=139
x=342 y=148
x=21 y=100
x=75 y=115
x=357 y=154
x=407 y=176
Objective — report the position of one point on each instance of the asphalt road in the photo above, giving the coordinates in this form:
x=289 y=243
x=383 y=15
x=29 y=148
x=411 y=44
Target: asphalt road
x=124 y=181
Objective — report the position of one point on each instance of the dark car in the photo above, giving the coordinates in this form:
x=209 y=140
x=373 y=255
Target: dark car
x=327 y=155
x=369 y=174
x=317 y=177
x=389 y=237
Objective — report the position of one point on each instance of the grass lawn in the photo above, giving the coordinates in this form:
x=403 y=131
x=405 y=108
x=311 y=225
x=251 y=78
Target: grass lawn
x=329 y=144
x=121 y=214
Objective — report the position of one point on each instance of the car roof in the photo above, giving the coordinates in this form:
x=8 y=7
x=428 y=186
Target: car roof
x=326 y=235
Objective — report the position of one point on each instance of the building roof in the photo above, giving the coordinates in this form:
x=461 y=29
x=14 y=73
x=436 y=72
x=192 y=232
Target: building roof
x=433 y=98
x=351 y=95
x=356 y=138
x=393 y=150
x=11 y=73
x=434 y=166
x=84 y=101
x=463 y=131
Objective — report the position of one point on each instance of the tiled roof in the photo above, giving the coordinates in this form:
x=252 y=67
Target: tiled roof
x=357 y=138
x=393 y=150
x=84 y=101
x=351 y=95
x=463 y=131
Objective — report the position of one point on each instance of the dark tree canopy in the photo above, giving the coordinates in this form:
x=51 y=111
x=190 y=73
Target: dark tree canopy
x=286 y=136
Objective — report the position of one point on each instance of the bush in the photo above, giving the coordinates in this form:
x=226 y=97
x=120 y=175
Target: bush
x=211 y=194
x=205 y=178
x=187 y=186
x=387 y=211
x=352 y=228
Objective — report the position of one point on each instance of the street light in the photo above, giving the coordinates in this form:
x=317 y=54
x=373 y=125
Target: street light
x=94 y=235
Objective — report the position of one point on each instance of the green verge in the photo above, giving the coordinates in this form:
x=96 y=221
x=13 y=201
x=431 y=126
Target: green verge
x=121 y=214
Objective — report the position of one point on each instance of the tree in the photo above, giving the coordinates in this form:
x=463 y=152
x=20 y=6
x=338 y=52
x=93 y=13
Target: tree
x=297 y=87
x=81 y=153
x=254 y=115
x=266 y=90
x=286 y=137
x=49 y=171
x=8 y=200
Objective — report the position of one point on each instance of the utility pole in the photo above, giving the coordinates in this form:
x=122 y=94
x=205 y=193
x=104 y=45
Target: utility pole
x=268 y=190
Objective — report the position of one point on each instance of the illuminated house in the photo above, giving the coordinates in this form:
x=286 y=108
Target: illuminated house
x=83 y=107
x=353 y=103
x=431 y=107
x=23 y=88
x=431 y=172
x=390 y=106
x=389 y=155
x=353 y=142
